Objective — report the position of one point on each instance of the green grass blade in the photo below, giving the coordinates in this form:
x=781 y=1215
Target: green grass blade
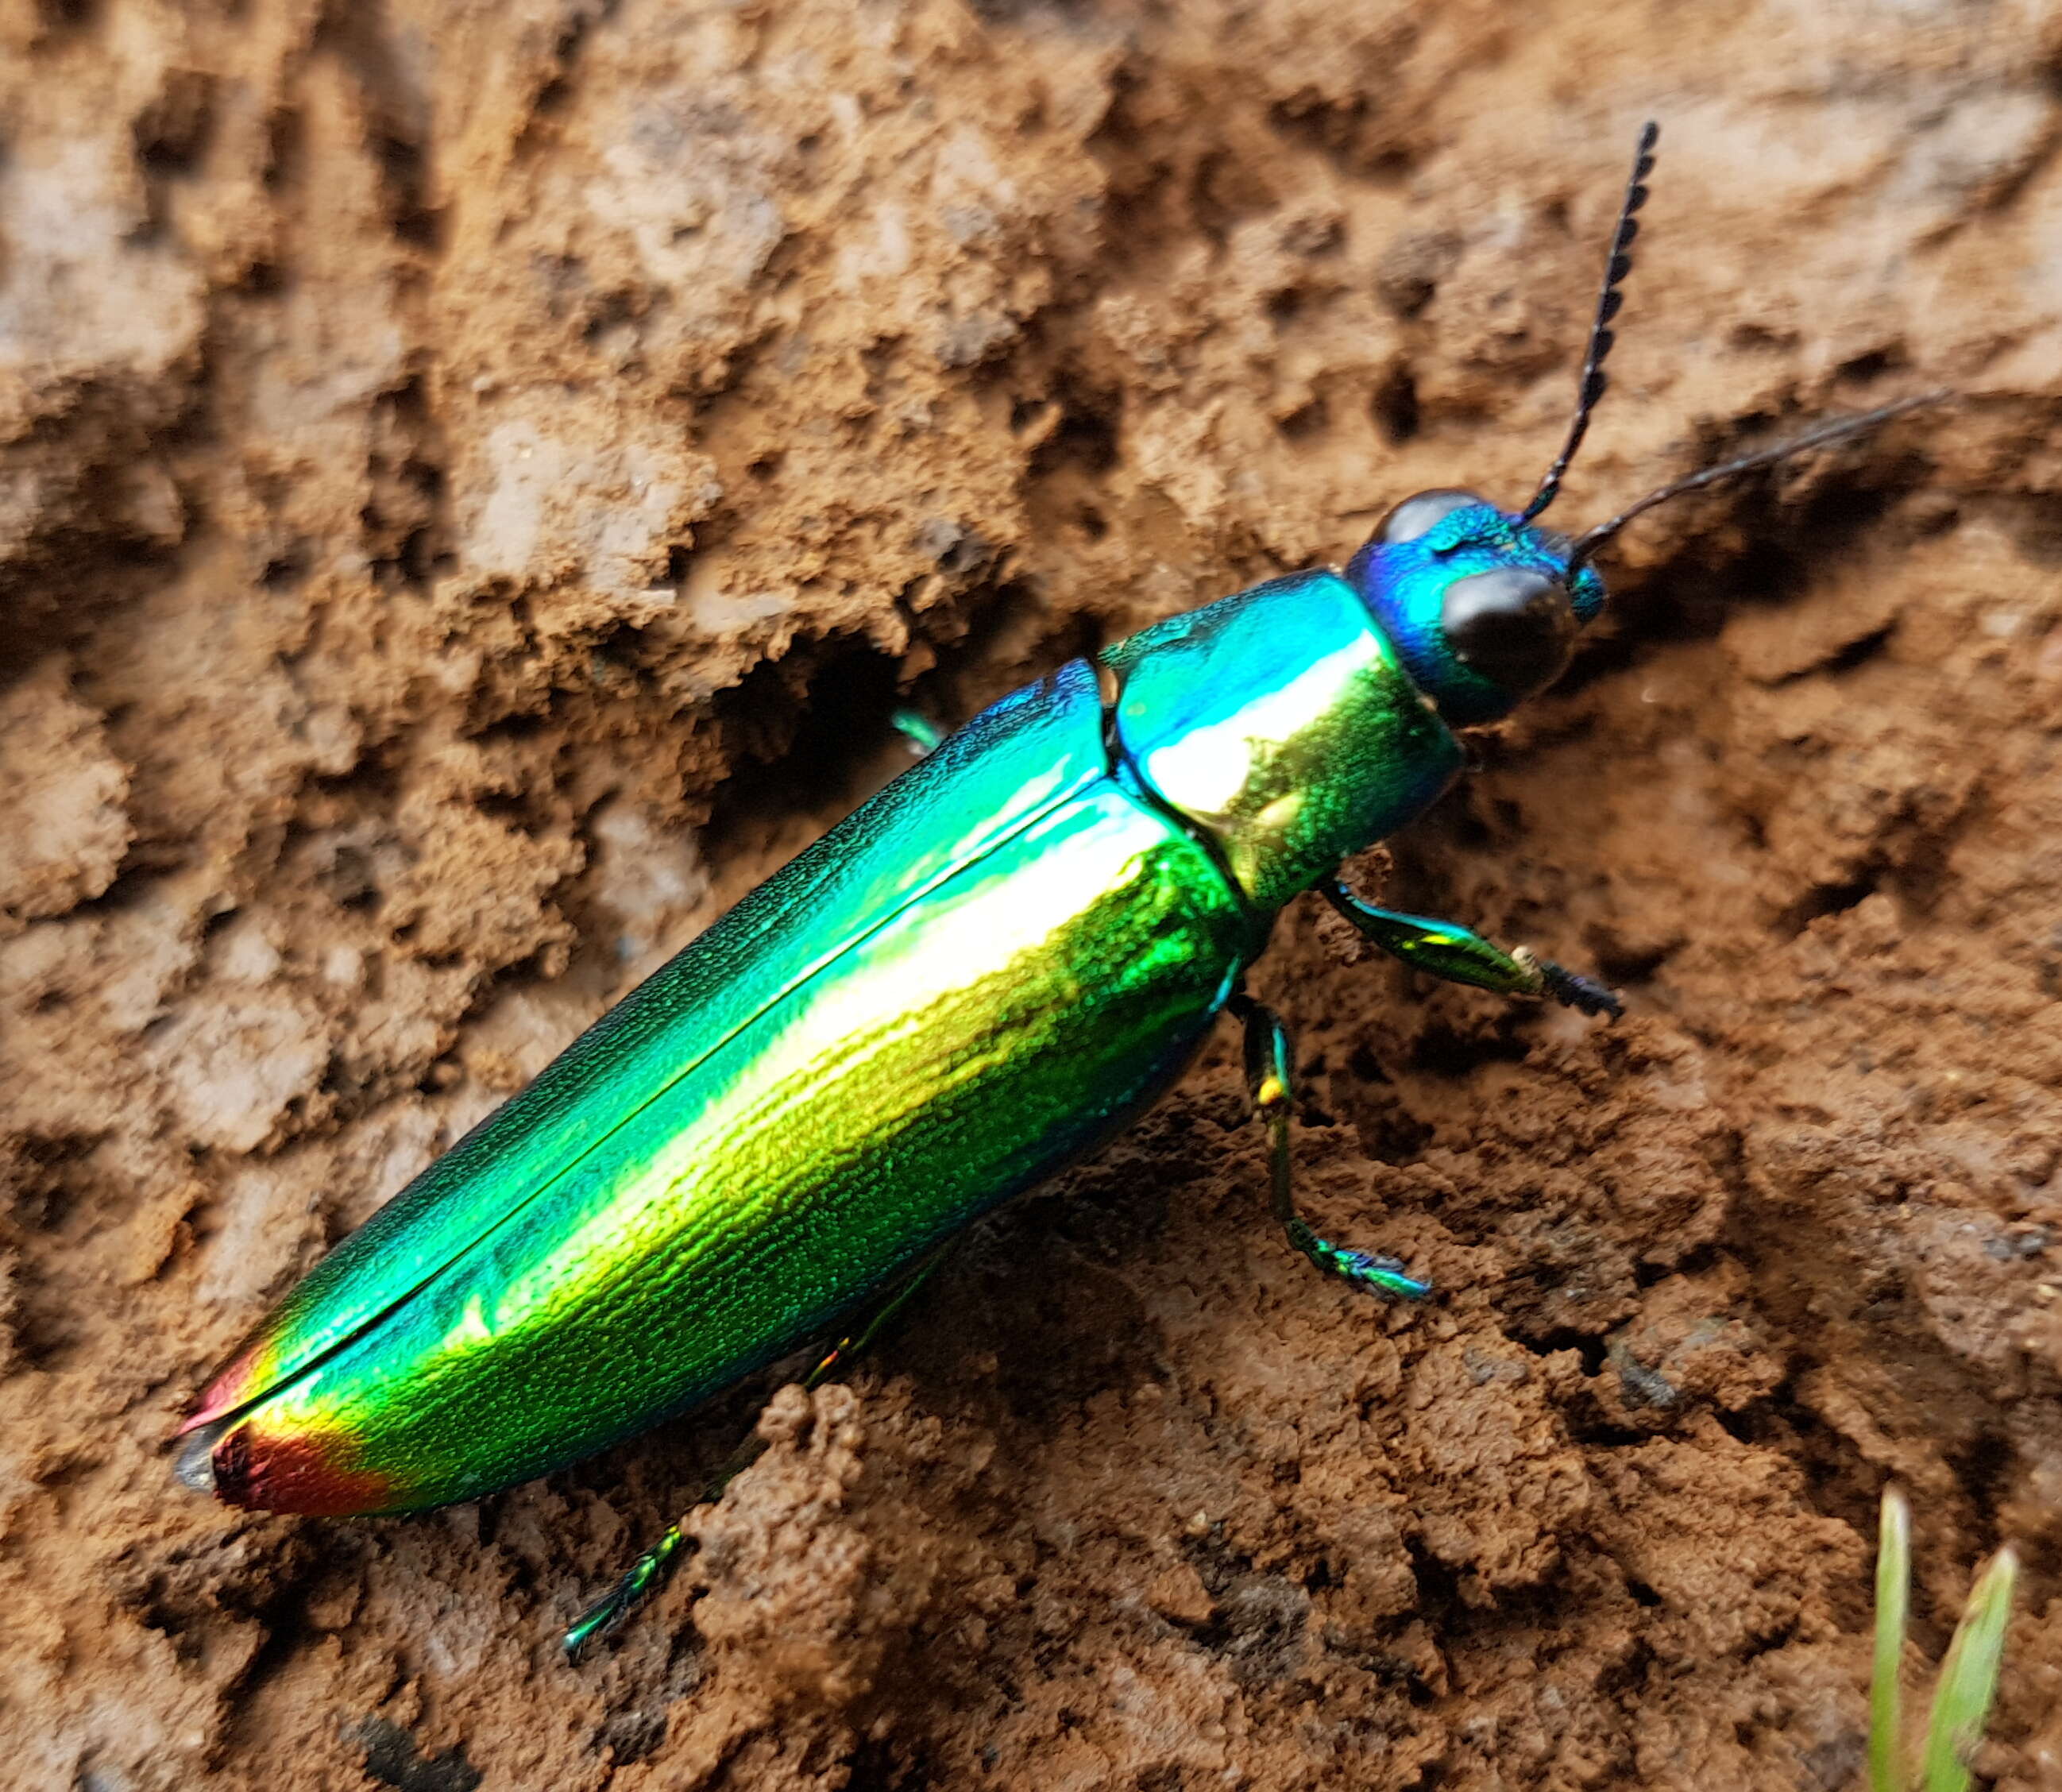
x=1893 y=1600
x=1968 y=1677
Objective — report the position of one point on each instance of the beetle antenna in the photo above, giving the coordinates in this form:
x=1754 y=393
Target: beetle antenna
x=1839 y=430
x=1595 y=381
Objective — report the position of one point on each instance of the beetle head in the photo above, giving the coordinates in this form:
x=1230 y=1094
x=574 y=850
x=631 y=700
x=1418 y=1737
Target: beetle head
x=1482 y=605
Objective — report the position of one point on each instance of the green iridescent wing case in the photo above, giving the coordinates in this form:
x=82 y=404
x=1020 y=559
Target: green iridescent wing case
x=975 y=977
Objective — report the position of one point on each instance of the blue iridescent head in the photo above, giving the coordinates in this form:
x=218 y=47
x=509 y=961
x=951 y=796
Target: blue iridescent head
x=1479 y=603
x=1482 y=605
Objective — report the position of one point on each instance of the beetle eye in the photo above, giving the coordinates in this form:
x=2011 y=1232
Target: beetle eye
x=1514 y=625
x=1414 y=515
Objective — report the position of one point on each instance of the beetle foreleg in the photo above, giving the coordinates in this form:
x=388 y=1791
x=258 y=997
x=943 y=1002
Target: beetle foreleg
x=650 y=1571
x=1453 y=952
x=1269 y=1075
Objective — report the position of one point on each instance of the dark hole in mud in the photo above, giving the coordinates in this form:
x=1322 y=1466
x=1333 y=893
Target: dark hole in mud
x=393 y=1758
x=1444 y=1052
x=1863 y=370
x=1086 y=438
x=1306 y=421
x=1593 y=1350
x=1395 y=407
x=1823 y=900
x=796 y=732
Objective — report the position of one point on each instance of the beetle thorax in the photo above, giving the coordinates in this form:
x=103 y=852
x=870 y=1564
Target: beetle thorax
x=1281 y=725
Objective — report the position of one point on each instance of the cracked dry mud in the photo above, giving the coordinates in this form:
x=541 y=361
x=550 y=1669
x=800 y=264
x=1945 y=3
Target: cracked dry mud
x=474 y=482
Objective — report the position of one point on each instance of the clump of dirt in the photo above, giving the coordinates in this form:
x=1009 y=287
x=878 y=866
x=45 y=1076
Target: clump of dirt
x=477 y=481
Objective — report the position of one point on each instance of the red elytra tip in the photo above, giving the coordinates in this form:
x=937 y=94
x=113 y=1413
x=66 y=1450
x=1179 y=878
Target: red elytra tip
x=297 y=1474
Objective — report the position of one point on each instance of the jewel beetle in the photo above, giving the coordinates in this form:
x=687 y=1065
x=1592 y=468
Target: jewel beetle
x=974 y=979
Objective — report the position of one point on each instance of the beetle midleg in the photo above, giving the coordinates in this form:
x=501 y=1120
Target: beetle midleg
x=1269 y=1071
x=1447 y=950
x=925 y=735
x=649 y=1572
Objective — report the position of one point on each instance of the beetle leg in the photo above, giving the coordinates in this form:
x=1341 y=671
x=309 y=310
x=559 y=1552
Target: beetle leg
x=1270 y=1076
x=854 y=1343
x=1452 y=952
x=921 y=732
x=649 y=1572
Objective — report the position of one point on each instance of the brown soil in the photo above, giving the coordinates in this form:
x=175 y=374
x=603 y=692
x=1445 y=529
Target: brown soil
x=476 y=478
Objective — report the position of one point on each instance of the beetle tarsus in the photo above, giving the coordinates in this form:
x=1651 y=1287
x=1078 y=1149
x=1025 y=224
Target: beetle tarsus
x=646 y=1576
x=1572 y=989
x=1270 y=1076
x=652 y=1569
x=1365 y=1269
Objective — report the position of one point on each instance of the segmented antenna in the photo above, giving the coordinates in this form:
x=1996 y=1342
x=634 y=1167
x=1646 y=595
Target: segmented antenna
x=1594 y=382
x=1837 y=430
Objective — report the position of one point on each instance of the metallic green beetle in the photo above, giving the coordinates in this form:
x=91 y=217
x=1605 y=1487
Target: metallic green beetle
x=976 y=978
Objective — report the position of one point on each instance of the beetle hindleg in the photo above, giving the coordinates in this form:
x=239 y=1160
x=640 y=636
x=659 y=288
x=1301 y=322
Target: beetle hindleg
x=649 y=1572
x=1270 y=1076
x=1453 y=952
